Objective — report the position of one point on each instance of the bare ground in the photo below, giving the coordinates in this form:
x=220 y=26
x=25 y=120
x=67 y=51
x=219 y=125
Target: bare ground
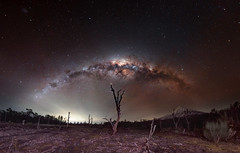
x=27 y=139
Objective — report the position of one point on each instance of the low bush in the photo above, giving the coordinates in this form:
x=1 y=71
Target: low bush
x=218 y=130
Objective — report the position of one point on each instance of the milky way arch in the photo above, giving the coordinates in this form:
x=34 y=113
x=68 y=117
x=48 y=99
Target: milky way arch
x=124 y=69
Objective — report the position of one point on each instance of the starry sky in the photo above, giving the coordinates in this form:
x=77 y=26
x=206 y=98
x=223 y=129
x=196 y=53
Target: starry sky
x=61 y=56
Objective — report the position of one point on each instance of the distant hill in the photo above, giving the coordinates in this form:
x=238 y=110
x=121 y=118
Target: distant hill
x=180 y=112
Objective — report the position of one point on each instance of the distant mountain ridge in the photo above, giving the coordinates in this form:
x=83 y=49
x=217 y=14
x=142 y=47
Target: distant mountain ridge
x=181 y=112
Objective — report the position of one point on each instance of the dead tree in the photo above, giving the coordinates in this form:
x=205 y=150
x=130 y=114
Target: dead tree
x=234 y=109
x=160 y=125
x=89 y=119
x=175 y=121
x=186 y=115
x=38 y=124
x=147 y=145
x=117 y=99
x=23 y=122
x=68 y=119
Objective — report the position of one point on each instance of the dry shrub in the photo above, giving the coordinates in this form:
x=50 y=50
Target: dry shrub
x=218 y=130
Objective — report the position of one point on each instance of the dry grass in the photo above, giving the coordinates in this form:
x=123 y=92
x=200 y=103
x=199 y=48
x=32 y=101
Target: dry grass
x=88 y=139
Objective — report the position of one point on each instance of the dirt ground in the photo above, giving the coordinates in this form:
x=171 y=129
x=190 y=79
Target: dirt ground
x=87 y=139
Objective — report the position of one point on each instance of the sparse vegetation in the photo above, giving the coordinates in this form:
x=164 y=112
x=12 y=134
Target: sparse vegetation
x=221 y=127
x=218 y=130
x=10 y=115
x=98 y=138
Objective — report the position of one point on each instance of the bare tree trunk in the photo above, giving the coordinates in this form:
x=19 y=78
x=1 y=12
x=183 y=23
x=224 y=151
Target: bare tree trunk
x=188 y=125
x=23 y=122
x=48 y=120
x=68 y=119
x=176 y=126
x=89 y=119
x=176 y=122
x=186 y=114
x=237 y=118
x=5 y=118
x=38 y=125
x=116 y=124
x=160 y=124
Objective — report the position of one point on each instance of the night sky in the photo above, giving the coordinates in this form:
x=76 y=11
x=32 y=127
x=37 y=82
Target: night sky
x=61 y=56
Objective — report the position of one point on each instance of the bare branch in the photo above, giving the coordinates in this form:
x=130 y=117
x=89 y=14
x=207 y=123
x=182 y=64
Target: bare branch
x=186 y=115
x=118 y=94
x=152 y=130
x=110 y=121
x=178 y=120
x=121 y=96
x=114 y=95
x=173 y=118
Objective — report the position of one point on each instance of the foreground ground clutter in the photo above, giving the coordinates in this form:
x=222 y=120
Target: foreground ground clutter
x=18 y=138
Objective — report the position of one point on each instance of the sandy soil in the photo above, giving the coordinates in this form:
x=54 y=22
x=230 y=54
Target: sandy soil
x=27 y=139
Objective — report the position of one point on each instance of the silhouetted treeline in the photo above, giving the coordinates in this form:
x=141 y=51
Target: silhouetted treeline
x=231 y=114
x=196 y=121
x=28 y=116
